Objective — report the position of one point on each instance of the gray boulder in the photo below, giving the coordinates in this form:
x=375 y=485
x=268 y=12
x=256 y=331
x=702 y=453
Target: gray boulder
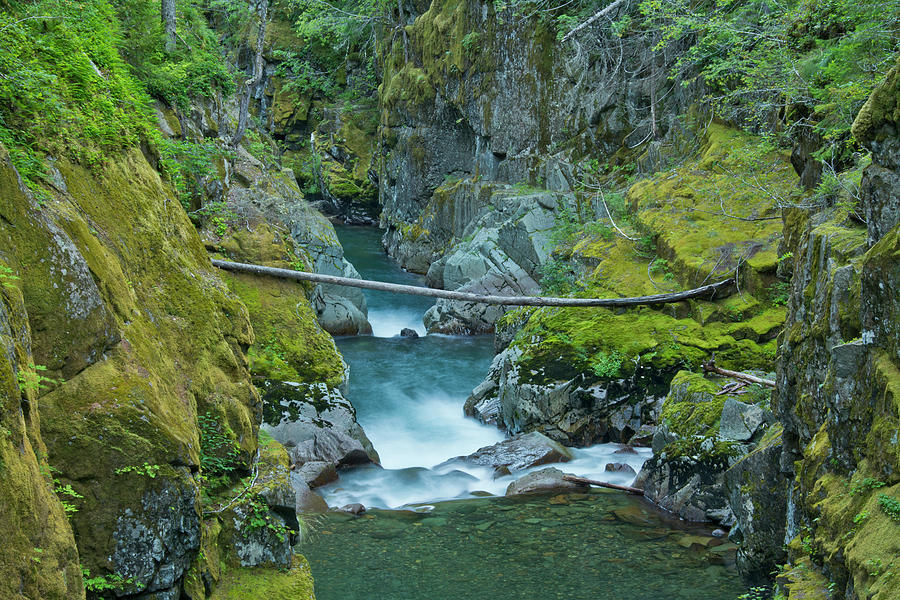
x=741 y=421
x=545 y=481
x=757 y=492
x=570 y=410
x=520 y=452
x=619 y=468
x=315 y=423
x=504 y=246
x=316 y=472
x=691 y=487
x=257 y=545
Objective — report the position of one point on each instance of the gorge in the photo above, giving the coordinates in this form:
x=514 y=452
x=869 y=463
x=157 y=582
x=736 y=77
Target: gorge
x=171 y=430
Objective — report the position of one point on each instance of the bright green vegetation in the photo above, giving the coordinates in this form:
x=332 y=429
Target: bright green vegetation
x=196 y=69
x=331 y=37
x=82 y=75
x=685 y=234
x=295 y=583
x=289 y=344
x=67 y=91
x=816 y=58
x=185 y=163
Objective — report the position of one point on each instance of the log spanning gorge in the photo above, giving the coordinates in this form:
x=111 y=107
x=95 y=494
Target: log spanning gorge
x=442 y=528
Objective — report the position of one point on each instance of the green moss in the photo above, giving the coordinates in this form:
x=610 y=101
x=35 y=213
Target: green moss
x=882 y=107
x=295 y=583
x=290 y=345
x=155 y=338
x=559 y=343
x=692 y=406
x=683 y=210
x=40 y=559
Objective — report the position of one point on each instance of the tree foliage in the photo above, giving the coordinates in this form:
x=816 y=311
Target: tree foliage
x=773 y=66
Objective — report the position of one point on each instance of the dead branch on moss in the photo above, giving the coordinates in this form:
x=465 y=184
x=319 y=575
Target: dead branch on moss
x=710 y=367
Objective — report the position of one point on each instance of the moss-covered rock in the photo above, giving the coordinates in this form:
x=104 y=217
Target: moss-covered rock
x=290 y=345
x=38 y=557
x=839 y=380
x=295 y=583
x=718 y=212
x=694 y=448
x=150 y=339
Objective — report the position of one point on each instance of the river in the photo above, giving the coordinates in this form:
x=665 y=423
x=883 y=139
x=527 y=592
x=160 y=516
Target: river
x=438 y=530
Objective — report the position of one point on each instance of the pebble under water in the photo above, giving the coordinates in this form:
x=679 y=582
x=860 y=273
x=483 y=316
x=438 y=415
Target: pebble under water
x=409 y=394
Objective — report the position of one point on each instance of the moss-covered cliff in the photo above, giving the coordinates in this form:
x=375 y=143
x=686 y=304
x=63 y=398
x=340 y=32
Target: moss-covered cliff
x=838 y=380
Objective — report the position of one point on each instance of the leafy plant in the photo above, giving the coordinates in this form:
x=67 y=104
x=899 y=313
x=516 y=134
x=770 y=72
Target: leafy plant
x=218 y=452
x=65 y=89
x=865 y=485
x=606 y=364
x=147 y=469
x=780 y=293
x=6 y=277
x=186 y=164
x=471 y=44
x=260 y=517
x=104 y=583
x=64 y=492
x=776 y=66
x=32 y=378
x=890 y=506
x=557 y=276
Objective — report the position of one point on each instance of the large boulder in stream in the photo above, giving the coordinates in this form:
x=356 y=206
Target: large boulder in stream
x=316 y=424
x=520 y=452
x=545 y=481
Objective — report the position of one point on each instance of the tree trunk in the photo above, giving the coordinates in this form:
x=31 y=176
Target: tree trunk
x=707 y=291
x=250 y=84
x=168 y=19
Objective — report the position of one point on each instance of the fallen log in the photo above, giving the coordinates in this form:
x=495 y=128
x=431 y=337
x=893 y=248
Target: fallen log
x=706 y=290
x=612 y=486
x=710 y=367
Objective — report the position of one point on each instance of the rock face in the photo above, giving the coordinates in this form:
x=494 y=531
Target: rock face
x=257 y=194
x=506 y=105
x=145 y=341
x=32 y=516
x=504 y=239
x=839 y=373
x=501 y=102
x=701 y=447
x=573 y=411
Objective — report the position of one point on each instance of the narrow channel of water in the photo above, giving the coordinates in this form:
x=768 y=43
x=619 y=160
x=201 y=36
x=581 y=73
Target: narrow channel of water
x=449 y=542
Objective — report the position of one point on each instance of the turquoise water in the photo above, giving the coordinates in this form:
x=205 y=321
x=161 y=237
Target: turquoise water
x=409 y=395
x=593 y=547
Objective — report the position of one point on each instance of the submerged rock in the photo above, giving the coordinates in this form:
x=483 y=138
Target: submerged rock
x=545 y=481
x=353 y=509
x=308 y=501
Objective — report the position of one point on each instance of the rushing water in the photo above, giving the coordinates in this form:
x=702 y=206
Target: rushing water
x=449 y=542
